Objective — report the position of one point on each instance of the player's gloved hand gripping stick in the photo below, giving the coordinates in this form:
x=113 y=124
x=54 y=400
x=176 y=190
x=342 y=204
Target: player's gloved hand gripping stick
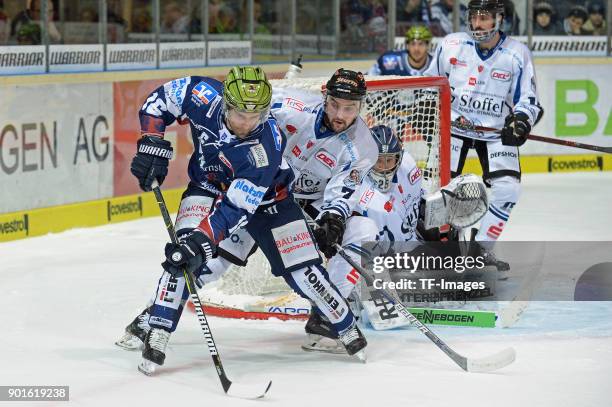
x=230 y=388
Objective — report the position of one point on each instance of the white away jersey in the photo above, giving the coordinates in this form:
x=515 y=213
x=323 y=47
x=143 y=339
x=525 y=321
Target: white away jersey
x=485 y=89
x=395 y=212
x=326 y=165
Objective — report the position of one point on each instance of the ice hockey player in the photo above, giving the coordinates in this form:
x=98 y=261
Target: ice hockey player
x=393 y=197
x=493 y=84
x=412 y=61
x=330 y=149
x=239 y=180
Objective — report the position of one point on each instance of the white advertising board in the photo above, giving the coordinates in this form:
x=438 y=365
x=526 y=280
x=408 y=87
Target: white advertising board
x=130 y=56
x=56 y=145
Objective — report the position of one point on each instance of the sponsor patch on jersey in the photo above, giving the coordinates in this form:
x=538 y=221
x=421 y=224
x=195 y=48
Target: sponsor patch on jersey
x=296 y=151
x=246 y=195
x=176 y=90
x=294 y=104
x=291 y=128
x=294 y=243
x=457 y=62
x=453 y=42
x=501 y=75
x=225 y=161
x=414 y=176
x=472 y=81
x=390 y=61
x=276 y=134
x=309 y=144
x=366 y=197
x=204 y=92
x=326 y=158
x=353 y=179
x=258 y=156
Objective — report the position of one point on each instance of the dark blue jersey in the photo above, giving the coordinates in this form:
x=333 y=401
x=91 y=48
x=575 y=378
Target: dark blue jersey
x=243 y=173
x=396 y=63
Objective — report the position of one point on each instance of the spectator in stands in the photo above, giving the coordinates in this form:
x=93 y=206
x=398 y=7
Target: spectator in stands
x=33 y=15
x=409 y=11
x=5 y=26
x=596 y=24
x=88 y=15
x=174 y=19
x=573 y=24
x=226 y=21
x=512 y=21
x=441 y=22
x=29 y=34
x=142 y=22
x=545 y=20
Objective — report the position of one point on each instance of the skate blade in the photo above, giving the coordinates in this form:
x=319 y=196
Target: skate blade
x=147 y=367
x=361 y=356
x=314 y=343
x=130 y=342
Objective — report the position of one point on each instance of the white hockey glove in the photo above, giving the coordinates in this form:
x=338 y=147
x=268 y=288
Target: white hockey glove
x=461 y=203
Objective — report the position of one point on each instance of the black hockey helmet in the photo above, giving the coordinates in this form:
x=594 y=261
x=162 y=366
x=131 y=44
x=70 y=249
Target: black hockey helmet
x=493 y=7
x=389 y=147
x=346 y=84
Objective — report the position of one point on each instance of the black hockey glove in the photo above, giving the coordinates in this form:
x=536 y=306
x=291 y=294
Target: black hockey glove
x=151 y=161
x=516 y=129
x=194 y=250
x=329 y=232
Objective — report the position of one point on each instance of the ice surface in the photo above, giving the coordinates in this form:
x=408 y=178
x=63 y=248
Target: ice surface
x=67 y=297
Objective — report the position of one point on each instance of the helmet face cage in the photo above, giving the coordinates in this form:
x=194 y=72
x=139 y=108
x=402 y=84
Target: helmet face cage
x=389 y=148
x=493 y=8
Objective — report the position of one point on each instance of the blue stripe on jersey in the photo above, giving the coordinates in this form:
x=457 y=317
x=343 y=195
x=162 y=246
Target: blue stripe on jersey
x=497 y=212
x=517 y=91
x=277 y=105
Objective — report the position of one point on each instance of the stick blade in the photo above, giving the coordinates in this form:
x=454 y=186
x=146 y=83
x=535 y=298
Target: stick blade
x=493 y=362
x=248 y=391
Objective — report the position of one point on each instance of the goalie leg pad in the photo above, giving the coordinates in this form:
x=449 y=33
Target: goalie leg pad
x=505 y=192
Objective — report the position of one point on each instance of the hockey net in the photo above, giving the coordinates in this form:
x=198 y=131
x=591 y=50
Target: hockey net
x=418 y=109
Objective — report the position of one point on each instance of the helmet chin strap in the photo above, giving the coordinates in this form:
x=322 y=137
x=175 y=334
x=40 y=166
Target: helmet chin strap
x=485 y=36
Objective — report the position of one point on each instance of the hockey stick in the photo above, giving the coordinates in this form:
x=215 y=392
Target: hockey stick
x=480 y=365
x=230 y=388
x=550 y=140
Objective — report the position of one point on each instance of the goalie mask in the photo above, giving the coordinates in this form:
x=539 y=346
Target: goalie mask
x=493 y=8
x=390 y=153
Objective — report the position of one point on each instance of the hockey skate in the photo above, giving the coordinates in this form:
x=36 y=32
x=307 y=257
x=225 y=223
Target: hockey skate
x=135 y=332
x=321 y=337
x=478 y=249
x=154 y=353
x=354 y=343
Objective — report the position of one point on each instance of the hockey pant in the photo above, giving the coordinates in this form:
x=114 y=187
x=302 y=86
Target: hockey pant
x=285 y=240
x=501 y=172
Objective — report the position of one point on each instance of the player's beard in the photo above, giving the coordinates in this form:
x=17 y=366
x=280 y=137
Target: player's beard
x=337 y=125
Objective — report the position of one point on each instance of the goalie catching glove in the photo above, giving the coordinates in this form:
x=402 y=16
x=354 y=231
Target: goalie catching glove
x=195 y=249
x=330 y=231
x=461 y=203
